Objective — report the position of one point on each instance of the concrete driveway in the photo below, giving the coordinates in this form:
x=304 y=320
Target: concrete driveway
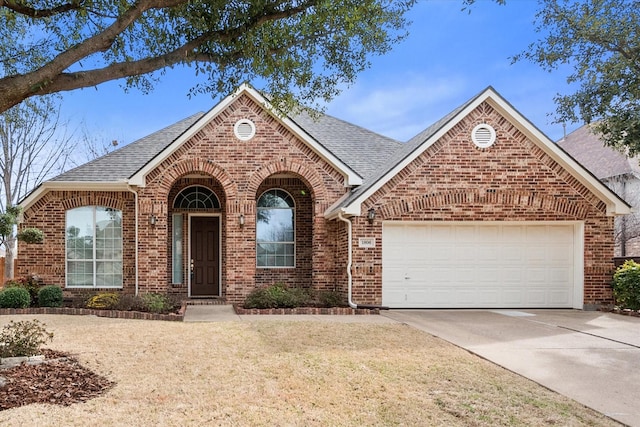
x=591 y=357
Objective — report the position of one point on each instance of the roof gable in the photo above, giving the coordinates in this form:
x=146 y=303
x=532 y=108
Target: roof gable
x=351 y=205
x=351 y=178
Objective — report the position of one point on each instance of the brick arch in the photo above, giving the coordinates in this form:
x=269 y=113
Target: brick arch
x=188 y=166
x=310 y=177
x=94 y=200
x=477 y=196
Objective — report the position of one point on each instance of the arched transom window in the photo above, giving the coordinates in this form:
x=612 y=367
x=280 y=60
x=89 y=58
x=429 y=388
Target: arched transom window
x=275 y=229
x=196 y=197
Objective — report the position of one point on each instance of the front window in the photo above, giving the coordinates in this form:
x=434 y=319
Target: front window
x=94 y=247
x=275 y=230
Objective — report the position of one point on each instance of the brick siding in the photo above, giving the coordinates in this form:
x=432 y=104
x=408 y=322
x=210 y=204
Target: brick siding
x=514 y=180
x=453 y=180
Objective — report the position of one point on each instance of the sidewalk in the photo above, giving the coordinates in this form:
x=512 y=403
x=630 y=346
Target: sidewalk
x=225 y=313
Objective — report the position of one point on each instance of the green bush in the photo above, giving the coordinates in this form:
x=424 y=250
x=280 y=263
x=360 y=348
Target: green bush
x=626 y=285
x=50 y=296
x=32 y=283
x=31 y=235
x=103 y=301
x=14 y=297
x=277 y=296
x=24 y=338
x=157 y=303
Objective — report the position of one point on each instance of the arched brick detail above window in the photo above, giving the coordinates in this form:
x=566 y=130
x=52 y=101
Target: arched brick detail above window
x=95 y=199
x=208 y=167
x=311 y=178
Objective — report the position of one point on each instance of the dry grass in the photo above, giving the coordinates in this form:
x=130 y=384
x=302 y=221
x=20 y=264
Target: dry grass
x=288 y=374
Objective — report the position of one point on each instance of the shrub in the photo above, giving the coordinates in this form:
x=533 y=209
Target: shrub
x=157 y=303
x=626 y=285
x=277 y=296
x=23 y=338
x=103 y=301
x=50 y=296
x=32 y=283
x=129 y=302
x=331 y=299
x=14 y=297
x=31 y=235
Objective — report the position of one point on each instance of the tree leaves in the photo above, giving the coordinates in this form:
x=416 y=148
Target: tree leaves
x=600 y=40
x=301 y=49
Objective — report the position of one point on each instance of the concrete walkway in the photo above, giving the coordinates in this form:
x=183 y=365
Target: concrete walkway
x=591 y=357
x=225 y=313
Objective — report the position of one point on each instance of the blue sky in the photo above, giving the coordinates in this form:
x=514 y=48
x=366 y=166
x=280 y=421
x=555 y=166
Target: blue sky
x=448 y=57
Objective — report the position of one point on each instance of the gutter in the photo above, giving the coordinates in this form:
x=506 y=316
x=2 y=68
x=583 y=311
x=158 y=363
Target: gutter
x=135 y=194
x=349 y=264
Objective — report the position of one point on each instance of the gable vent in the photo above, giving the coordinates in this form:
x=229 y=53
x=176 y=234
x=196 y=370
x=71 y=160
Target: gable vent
x=244 y=129
x=483 y=135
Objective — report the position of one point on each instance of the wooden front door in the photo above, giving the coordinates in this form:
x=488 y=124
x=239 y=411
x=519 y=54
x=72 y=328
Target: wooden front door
x=205 y=256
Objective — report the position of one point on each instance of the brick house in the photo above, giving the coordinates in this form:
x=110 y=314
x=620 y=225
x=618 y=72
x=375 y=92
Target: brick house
x=618 y=172
x=479 y=210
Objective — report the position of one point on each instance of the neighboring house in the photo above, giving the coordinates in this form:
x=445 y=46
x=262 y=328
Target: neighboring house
x=479 y=210
x=618 y=172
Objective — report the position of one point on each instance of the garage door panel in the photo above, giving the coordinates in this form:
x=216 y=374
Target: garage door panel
x=512 y=297
x=478 y=265
x=559 y=297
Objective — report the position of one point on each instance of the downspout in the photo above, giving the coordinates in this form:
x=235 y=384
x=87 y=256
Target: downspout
x=135 y=195
x=349 y=264
x=349 y=260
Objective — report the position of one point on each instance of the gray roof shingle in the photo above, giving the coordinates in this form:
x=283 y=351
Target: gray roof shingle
x=124 y=162
x=361 y=149
x=403 y=152
x=602 y=161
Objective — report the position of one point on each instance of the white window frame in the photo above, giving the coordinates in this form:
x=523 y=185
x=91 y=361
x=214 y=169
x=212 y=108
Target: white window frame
x=94 y=260
x=293 y=242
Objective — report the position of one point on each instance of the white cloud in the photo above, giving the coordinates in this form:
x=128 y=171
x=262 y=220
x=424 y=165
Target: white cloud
x=402 y=106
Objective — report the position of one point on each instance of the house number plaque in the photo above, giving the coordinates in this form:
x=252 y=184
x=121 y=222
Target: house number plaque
x=367 y=242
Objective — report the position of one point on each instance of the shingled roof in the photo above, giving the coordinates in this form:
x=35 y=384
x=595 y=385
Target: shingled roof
x=602 y=161
x=122 y=163
x=362 y=150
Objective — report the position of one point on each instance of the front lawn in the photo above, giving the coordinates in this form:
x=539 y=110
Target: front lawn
x=287 y=373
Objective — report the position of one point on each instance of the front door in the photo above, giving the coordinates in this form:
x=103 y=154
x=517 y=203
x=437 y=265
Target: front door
x=205 y=256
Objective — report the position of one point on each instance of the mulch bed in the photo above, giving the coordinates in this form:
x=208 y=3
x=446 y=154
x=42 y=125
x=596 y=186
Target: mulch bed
x=60 y=380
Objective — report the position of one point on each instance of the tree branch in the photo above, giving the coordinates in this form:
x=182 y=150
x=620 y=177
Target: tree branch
x=51 y=77
x=40 y=13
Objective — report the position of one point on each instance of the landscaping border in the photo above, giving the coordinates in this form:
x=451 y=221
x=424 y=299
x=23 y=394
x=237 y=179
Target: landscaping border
x=117 y=314
x=306 y=310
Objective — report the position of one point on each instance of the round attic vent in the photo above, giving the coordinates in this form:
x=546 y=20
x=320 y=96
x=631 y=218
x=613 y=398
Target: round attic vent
x=483 y=135
x=244 y=129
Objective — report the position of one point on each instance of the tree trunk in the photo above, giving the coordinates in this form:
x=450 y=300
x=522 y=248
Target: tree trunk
x=9 y=258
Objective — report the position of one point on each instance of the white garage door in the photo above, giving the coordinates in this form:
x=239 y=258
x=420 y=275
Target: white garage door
x=481 y=265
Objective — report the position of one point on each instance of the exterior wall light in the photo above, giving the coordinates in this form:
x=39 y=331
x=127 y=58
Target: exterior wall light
x=241 y=220
x=371 y=215
x=153 y=219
